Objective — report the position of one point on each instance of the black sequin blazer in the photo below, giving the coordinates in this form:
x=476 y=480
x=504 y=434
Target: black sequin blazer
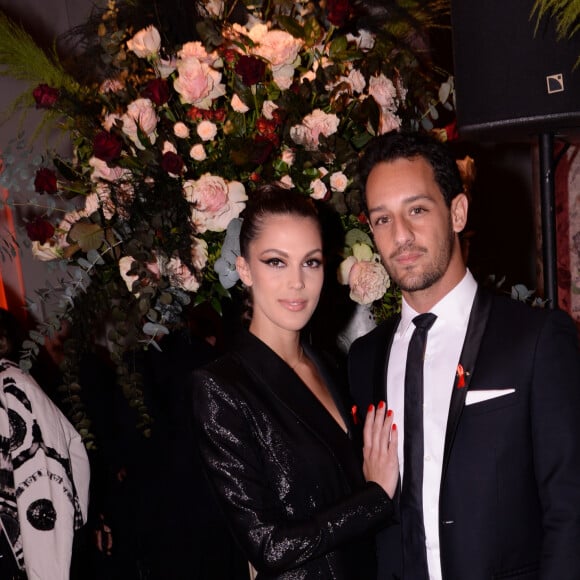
x=288 y=478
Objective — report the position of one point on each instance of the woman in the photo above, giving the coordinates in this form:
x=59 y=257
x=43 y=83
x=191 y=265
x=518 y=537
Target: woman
x=275 y=433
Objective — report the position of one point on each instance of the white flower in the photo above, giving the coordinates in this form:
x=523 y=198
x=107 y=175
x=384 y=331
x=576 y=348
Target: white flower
x=364 y=40
x=125 y=264
x=146 y=43
x=206 y=130
x=238 y=105
x=166 y=66
x=46 y=252
x=214 y=8
x=199 y=253
x=181 y=130
x=362 y=252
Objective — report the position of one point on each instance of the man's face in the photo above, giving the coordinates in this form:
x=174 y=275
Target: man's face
x=413 y=228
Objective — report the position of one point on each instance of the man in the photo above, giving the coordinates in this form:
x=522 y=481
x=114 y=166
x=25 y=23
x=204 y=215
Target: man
x=500 y=451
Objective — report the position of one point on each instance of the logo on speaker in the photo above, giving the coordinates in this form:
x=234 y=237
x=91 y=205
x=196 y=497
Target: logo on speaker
x=555 y=83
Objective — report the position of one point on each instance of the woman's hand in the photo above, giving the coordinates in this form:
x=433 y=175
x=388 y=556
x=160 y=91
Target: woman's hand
x=381 y=461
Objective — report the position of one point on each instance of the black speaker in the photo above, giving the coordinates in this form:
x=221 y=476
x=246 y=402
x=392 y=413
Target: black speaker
x=510 y=81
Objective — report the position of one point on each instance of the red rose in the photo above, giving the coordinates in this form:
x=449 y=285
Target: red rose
x=337 y=11
x=39 y=230
x=195 y=114
x=219 y=115
x=45 y=181
x=251 y=69
x=172 y=163
x=229 y=56
x=265 y=126
x=157 y=90
x=45 y=96
x=106 y=146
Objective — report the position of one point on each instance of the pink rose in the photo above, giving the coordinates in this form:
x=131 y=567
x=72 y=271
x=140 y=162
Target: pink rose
x=209 y=193
x=206 y=130
x=319 y=189
x=312 y=126
x=197 y=83
x=368 y=282
x=278 y=47
x=338 y=181
x=268 y=109
x=181 y=130
x=197 y=152
x=140 y=117
x=146 y=43
x=216 y=202
x=383 y=92
x=388 y=122
x=238 y=105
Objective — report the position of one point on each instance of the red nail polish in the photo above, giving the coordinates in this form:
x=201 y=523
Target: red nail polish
x=394 y=427
x=381 y=404
x=389 y=413
x=354 y=415
x=371 y=407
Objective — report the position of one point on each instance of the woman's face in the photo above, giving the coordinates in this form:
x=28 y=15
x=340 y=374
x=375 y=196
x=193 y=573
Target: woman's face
x=284 y=269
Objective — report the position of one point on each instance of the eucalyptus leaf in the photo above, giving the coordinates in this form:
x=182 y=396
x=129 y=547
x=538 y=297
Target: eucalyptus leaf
x=154 y=329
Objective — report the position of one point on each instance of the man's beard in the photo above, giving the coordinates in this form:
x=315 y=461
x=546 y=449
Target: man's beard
x=434 y=271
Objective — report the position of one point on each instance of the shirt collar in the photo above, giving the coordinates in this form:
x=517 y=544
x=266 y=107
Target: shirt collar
x=454 y=307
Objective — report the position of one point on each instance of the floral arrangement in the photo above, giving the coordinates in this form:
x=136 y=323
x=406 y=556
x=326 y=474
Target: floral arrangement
x=172 y=138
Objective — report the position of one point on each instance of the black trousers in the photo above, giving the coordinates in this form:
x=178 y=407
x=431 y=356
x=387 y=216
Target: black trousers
x=8 y=566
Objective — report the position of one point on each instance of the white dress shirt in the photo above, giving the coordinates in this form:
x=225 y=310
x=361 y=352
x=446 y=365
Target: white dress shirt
x=444 y=344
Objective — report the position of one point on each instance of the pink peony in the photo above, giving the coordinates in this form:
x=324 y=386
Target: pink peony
x=312 y=126
x=197 y=83
x=368 y=281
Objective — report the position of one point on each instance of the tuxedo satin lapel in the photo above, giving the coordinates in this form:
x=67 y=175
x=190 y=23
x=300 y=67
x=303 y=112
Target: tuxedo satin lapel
x=382 y=359
x=277 y=379
x=475 y=330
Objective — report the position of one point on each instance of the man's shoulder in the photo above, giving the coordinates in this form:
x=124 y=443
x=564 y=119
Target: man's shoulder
x=376 y=337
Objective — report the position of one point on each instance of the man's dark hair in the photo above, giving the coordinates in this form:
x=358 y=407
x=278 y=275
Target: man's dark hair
x=407 y=145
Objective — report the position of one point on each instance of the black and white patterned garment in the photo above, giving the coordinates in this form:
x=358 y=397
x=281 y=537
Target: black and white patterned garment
x=44 y=477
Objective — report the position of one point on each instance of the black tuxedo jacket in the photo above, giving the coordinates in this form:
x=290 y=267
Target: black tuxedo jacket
x=509 y=501
x=288 y=478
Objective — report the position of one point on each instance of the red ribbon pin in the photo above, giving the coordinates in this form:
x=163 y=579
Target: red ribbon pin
x=460 y=376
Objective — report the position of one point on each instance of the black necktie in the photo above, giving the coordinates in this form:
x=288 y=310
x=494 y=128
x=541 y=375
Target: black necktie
x=414 y=551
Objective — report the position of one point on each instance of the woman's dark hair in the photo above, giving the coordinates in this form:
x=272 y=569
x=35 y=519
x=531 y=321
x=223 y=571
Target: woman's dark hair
x=406 y=145
x=11 y=335
x=268 y=200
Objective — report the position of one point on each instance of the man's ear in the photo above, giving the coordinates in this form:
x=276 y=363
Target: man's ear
x=244 y=271
x=459 y=206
